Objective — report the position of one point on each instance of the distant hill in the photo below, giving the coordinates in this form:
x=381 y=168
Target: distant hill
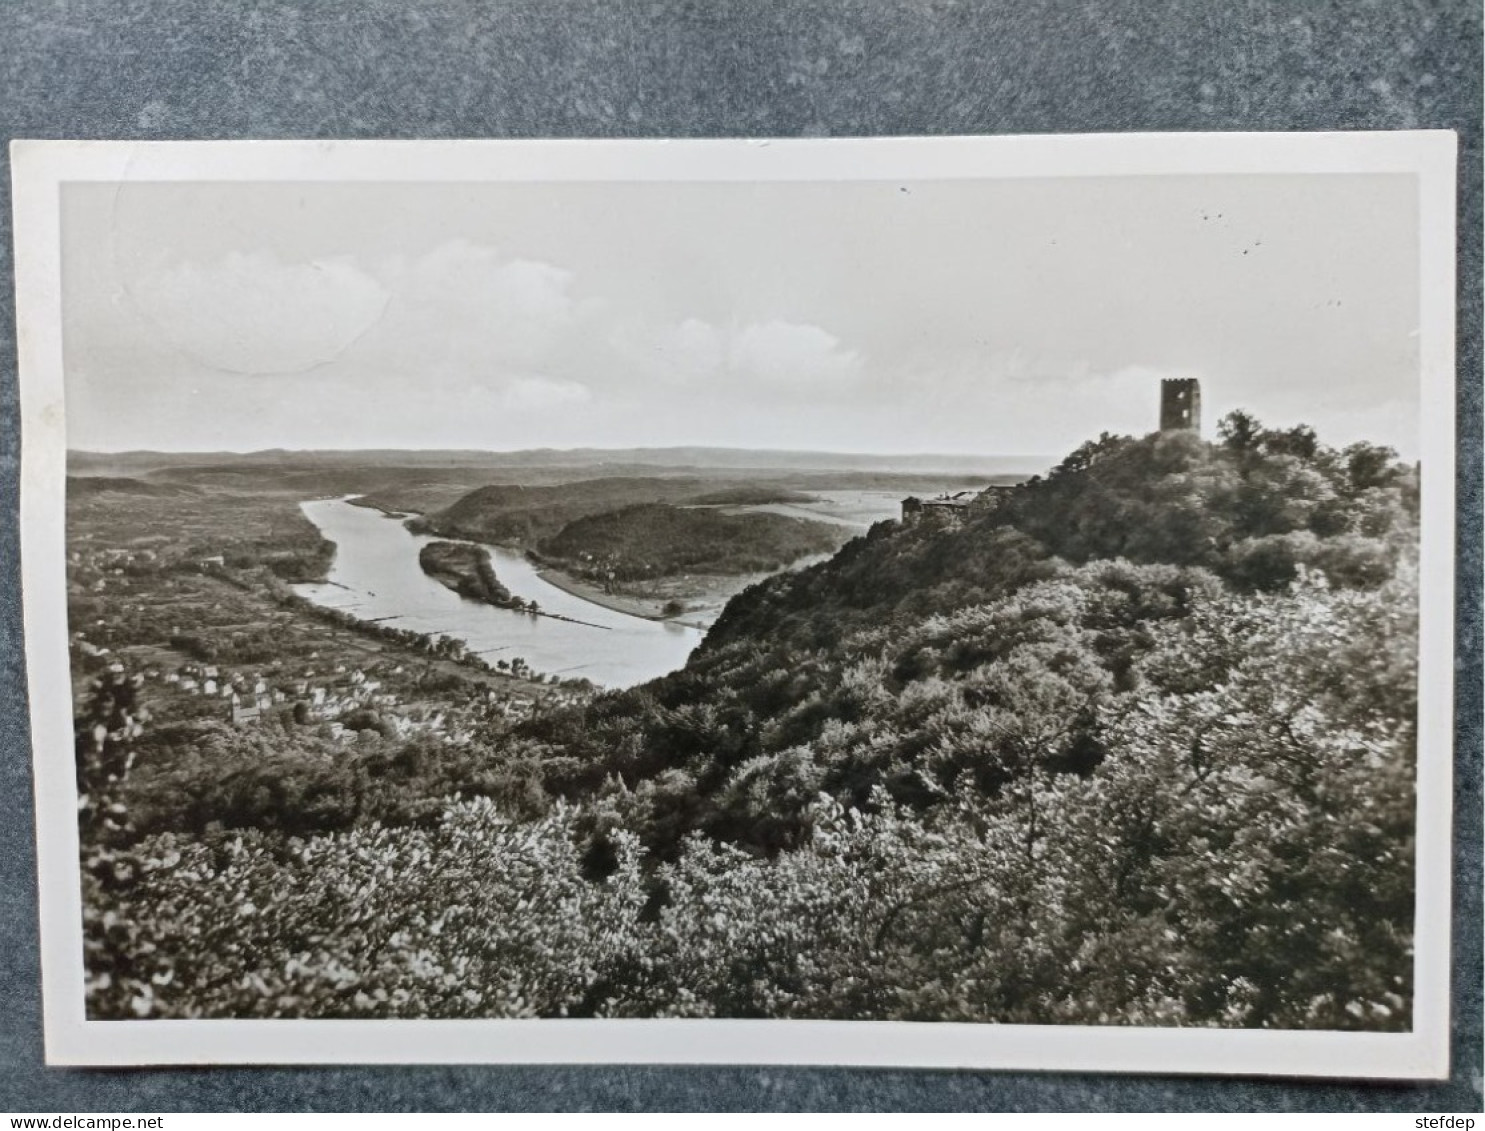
x=655 y=540
x=524 y=516
x=610 y=460
x=432 y=483
x=82 y=487
x=750 y=496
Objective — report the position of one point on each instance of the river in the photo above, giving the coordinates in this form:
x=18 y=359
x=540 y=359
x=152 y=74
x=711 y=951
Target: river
x=376 y=576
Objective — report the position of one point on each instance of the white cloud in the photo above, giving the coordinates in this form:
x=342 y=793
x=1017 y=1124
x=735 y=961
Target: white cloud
x=249 y=313
x=544 y=392
x=691 y=349
x=462 y=315
x=461 y=304
x=671 y=354
x=779 y=355
x=463 y=344
x=791 y=354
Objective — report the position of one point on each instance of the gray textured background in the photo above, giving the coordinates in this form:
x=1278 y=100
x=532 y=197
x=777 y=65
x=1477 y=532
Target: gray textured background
x=641 y=68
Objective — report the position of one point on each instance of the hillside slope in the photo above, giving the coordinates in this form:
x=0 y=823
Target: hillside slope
x=1167 y=663
x=1180 y=523
x=1257 y=509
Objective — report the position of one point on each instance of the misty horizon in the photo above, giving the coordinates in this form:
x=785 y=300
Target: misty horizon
x=586 y=448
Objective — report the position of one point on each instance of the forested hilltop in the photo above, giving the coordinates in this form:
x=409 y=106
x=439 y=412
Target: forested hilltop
x=656 y=540
x=1133 y=746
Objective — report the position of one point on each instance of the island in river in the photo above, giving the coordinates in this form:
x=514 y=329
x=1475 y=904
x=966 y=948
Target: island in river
x=468 y=571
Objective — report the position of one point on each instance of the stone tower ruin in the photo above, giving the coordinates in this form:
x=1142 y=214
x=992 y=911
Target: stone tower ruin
x=1180 y=404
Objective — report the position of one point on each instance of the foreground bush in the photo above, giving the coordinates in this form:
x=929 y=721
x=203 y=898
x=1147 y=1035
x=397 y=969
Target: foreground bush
x=1240 y=854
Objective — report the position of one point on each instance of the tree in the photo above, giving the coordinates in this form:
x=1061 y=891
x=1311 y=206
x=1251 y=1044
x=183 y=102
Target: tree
x=121 y=966
x=1239 y=432
x=1369 y=466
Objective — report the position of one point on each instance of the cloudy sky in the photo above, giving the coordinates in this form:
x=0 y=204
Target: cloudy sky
x=969 y=316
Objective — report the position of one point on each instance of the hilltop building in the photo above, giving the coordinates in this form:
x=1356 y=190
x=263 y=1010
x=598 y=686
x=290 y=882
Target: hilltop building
x=953 y=510
x=1180 y=411
x=1180 y=404
x=946 y=510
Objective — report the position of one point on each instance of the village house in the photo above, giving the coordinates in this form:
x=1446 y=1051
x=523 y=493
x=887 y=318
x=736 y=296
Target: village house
x=244 y=713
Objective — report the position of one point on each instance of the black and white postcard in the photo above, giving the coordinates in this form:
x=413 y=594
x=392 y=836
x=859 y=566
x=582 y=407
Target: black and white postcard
x=927 y=602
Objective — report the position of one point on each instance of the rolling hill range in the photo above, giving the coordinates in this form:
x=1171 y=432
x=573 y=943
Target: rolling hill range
x=609 y=460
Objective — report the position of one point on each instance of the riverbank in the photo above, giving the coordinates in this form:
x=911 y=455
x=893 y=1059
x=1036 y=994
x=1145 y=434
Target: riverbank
x=373 y=505
x=703 y=597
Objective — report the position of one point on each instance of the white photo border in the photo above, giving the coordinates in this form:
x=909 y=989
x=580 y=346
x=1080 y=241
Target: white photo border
x=41 y=168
